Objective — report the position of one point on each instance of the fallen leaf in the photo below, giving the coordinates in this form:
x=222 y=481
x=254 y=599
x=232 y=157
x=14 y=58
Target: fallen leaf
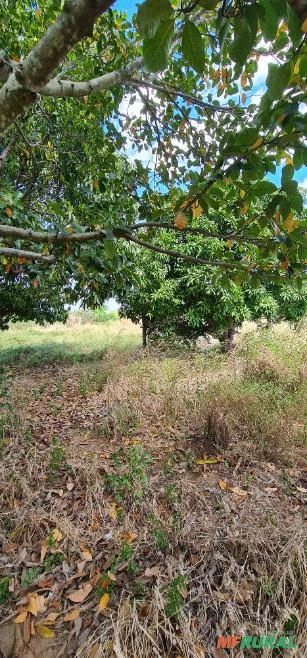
x=44 y=549
x=129 y=536
x=78 y=625
x=209 y=460
x=71 y=616
x=270 y=489
x=36 y=604
x=86 y=553
x=51 y=617
x=245 y=591
x=112 y=511
x=103 y=602
x=301 y=489
x=21 y=617
x=80 y=566
x=271 y=467
x=222 y=484
x=95 y=651
x=70 y=486
x=56 y=535
x=221 y=596
x=79 y=595
x=219 y=653
x=44 y=631
x=151 y=572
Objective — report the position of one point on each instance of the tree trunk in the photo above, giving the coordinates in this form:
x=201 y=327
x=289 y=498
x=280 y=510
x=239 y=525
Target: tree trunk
x=227 y=338
x=144 y=330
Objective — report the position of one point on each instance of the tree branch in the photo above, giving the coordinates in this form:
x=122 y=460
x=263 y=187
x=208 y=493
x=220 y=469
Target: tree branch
x=186 y=257
x=6 y=152
x=29 y=255
x=200 y=231
x=29 y=77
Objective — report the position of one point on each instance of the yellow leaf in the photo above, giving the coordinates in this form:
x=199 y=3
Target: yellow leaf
x=79 y=595
x=257 y=143
x=103 y=602
x=210 y=460
x=242 y=194
x=283 y=27
x=289 y=161
x=38 y=12
x=180 y=220
x=57 y=535
x=244 y=79
x=86 y=553
x=296 y=68
x=290 y=223
x=304 y=26
x=36 y=604
x=113 y=511
x=71 y=616
x=95 y=184
x=21 y=617
x=197 y=210
x=51 y=617
x=44 y=631
x=244 y=208
x=8 y=212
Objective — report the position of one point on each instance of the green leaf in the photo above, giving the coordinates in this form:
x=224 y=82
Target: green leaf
x=277 y=80
x=241 y=45
x=263 y=187
x=294 y=26
x=208 y=4
x=109 y=248
x=247 y=137
x=268 y=19
x=251 y=14
x=193 y=47
x=303 y=66
x=150 y=15
x=287 y=174
x=156 y=50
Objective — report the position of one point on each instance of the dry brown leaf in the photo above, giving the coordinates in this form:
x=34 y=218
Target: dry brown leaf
x=86 y=553
x=44 y=549
x=270 y=489
x=222 y=484
x=151 y=572
x=95 y=651
x=80 y=566
x=70 y=486
x=244 y=592
x=301 y=489
x=21 y=617
x=44 y=631
x=219 y=653
x=72 y=615
x=129 y=536
x=36 y=604
x=79 y=595
x=112 y=511
x=270 y=467
x=103 y=602
x=112 y=576
x=51 y=617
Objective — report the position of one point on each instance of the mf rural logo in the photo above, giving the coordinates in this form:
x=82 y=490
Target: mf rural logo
x=256 y=642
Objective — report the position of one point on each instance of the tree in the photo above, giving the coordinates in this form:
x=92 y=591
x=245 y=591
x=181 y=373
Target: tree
x=176 y=83
x=20 y=301
x=180 y=299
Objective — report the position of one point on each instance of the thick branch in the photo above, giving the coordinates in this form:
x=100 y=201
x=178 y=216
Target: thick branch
x=29 y=255
x=6 y=152
x=59 y=88
x=73 y=24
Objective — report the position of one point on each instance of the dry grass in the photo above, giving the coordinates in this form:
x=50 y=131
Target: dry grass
x=129 y=430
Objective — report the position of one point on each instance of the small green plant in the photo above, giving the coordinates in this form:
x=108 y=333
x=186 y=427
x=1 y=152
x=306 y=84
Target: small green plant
x=133 y=478
x=174 y=596
x=127 y=555
x=159 y=533
x=268 y=586
x=4 y=589
x=57 y=459
x=83 y=387
x=171 y=494
x=52 y=561
x=29 y=576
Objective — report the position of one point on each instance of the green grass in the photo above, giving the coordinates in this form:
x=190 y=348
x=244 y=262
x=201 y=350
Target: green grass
x=28 y=344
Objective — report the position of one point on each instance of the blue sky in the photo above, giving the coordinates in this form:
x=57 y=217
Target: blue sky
x=126 y=5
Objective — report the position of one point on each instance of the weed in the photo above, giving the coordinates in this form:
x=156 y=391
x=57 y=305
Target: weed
x=52 y=561
x=268 y=586
x=159 y=533
x=83 y=386
x=4 y=589
x=133 y=478
x=171 y=494
x=57 y=459
x=37 y=392
x=127 y=555
x=247 y=480
x=29 y=576
x=174 y=596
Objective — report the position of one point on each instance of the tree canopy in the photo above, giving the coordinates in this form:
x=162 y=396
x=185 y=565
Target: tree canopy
x=114 y=129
